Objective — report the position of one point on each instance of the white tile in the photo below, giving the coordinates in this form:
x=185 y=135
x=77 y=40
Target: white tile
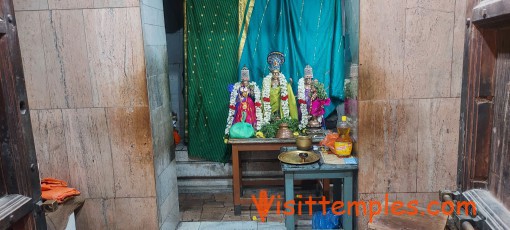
x=154 y=35
x=152 y=16
x=166 y=182
x=169 y=210
x=271 y=226
x=189 y=226
x=236 y=225
x=171 y=223
x=158 y=4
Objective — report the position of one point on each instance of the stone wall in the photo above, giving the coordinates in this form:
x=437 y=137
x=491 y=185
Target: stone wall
x=85 y=70
x=158 y=87
x=411 y=56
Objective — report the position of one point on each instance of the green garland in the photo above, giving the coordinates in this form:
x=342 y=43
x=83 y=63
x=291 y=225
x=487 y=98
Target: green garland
x=321 y=91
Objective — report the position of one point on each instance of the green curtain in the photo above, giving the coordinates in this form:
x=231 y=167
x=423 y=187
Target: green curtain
x=211 y=64
x=306 y=31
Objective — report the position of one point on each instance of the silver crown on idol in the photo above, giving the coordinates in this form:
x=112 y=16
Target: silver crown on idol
x=245 y=74
x=308 y=71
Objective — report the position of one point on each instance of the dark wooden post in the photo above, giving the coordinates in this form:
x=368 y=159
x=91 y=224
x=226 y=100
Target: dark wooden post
x=484 y=143
x=19 y=178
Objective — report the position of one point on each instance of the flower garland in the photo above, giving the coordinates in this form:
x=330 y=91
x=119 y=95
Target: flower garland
x=266 y=88
x=302 y=104
x=258 y=104
x=232 y=106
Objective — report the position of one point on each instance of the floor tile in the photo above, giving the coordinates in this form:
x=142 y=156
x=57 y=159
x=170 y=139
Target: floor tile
x=212 y=214
x=191 y=215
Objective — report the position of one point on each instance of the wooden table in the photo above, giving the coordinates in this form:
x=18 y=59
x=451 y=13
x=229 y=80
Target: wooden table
x=253 y=145
x=341 y=174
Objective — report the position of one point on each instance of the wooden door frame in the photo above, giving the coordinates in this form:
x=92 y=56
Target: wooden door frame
x=484 y=18
x=21 y=196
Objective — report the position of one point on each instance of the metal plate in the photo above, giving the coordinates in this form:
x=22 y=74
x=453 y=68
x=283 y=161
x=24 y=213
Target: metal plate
x=292 y=157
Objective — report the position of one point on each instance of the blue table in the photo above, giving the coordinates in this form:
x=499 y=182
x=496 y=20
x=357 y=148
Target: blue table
x=320 y=170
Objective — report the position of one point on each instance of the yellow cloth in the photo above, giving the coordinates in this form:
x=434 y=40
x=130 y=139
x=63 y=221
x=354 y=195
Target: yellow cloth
x=292 y=103
x=276 y=105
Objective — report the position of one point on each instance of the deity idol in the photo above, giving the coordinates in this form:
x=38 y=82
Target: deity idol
x=277 y=95
x=245 y=99
x=305 y=86
x=311 y=98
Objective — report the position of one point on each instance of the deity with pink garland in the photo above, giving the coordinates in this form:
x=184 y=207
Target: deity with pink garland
x=312 y=99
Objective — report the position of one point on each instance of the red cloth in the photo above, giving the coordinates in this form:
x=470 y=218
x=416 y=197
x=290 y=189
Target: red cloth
x=247 y=106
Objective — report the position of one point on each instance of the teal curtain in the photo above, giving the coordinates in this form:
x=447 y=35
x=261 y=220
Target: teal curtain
x=306 y=31
x=211 y=64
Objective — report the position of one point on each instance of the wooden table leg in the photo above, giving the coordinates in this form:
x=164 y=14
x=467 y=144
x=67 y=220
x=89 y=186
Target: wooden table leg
x=236 y=178
x=326 y=188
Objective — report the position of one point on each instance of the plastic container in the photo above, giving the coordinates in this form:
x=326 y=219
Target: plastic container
x=343 y=144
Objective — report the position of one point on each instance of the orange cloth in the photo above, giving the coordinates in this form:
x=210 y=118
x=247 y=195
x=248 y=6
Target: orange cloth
x=54 y=189
x=53 y=182
x=45 y=187
x=329 y=141
x=177 y=137
x=59 y=193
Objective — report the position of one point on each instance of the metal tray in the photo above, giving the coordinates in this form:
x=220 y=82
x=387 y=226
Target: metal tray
x=293 y=157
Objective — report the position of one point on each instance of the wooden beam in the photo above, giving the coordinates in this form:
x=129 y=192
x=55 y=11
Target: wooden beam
x=491 y=12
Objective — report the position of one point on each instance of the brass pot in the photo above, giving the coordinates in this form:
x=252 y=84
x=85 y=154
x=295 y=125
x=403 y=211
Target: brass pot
x=304 y=142
x=284 y=131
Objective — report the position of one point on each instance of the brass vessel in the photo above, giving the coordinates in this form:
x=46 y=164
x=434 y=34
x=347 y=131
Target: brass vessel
x=304 y=142
x=314 y=123
x=298 y=157
x=284 y=131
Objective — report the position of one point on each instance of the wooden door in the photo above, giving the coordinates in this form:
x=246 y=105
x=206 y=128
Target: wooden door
x=19 y=176
x=484 y=146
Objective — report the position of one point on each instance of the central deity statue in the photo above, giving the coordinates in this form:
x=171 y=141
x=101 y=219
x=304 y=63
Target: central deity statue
x=277 y=95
